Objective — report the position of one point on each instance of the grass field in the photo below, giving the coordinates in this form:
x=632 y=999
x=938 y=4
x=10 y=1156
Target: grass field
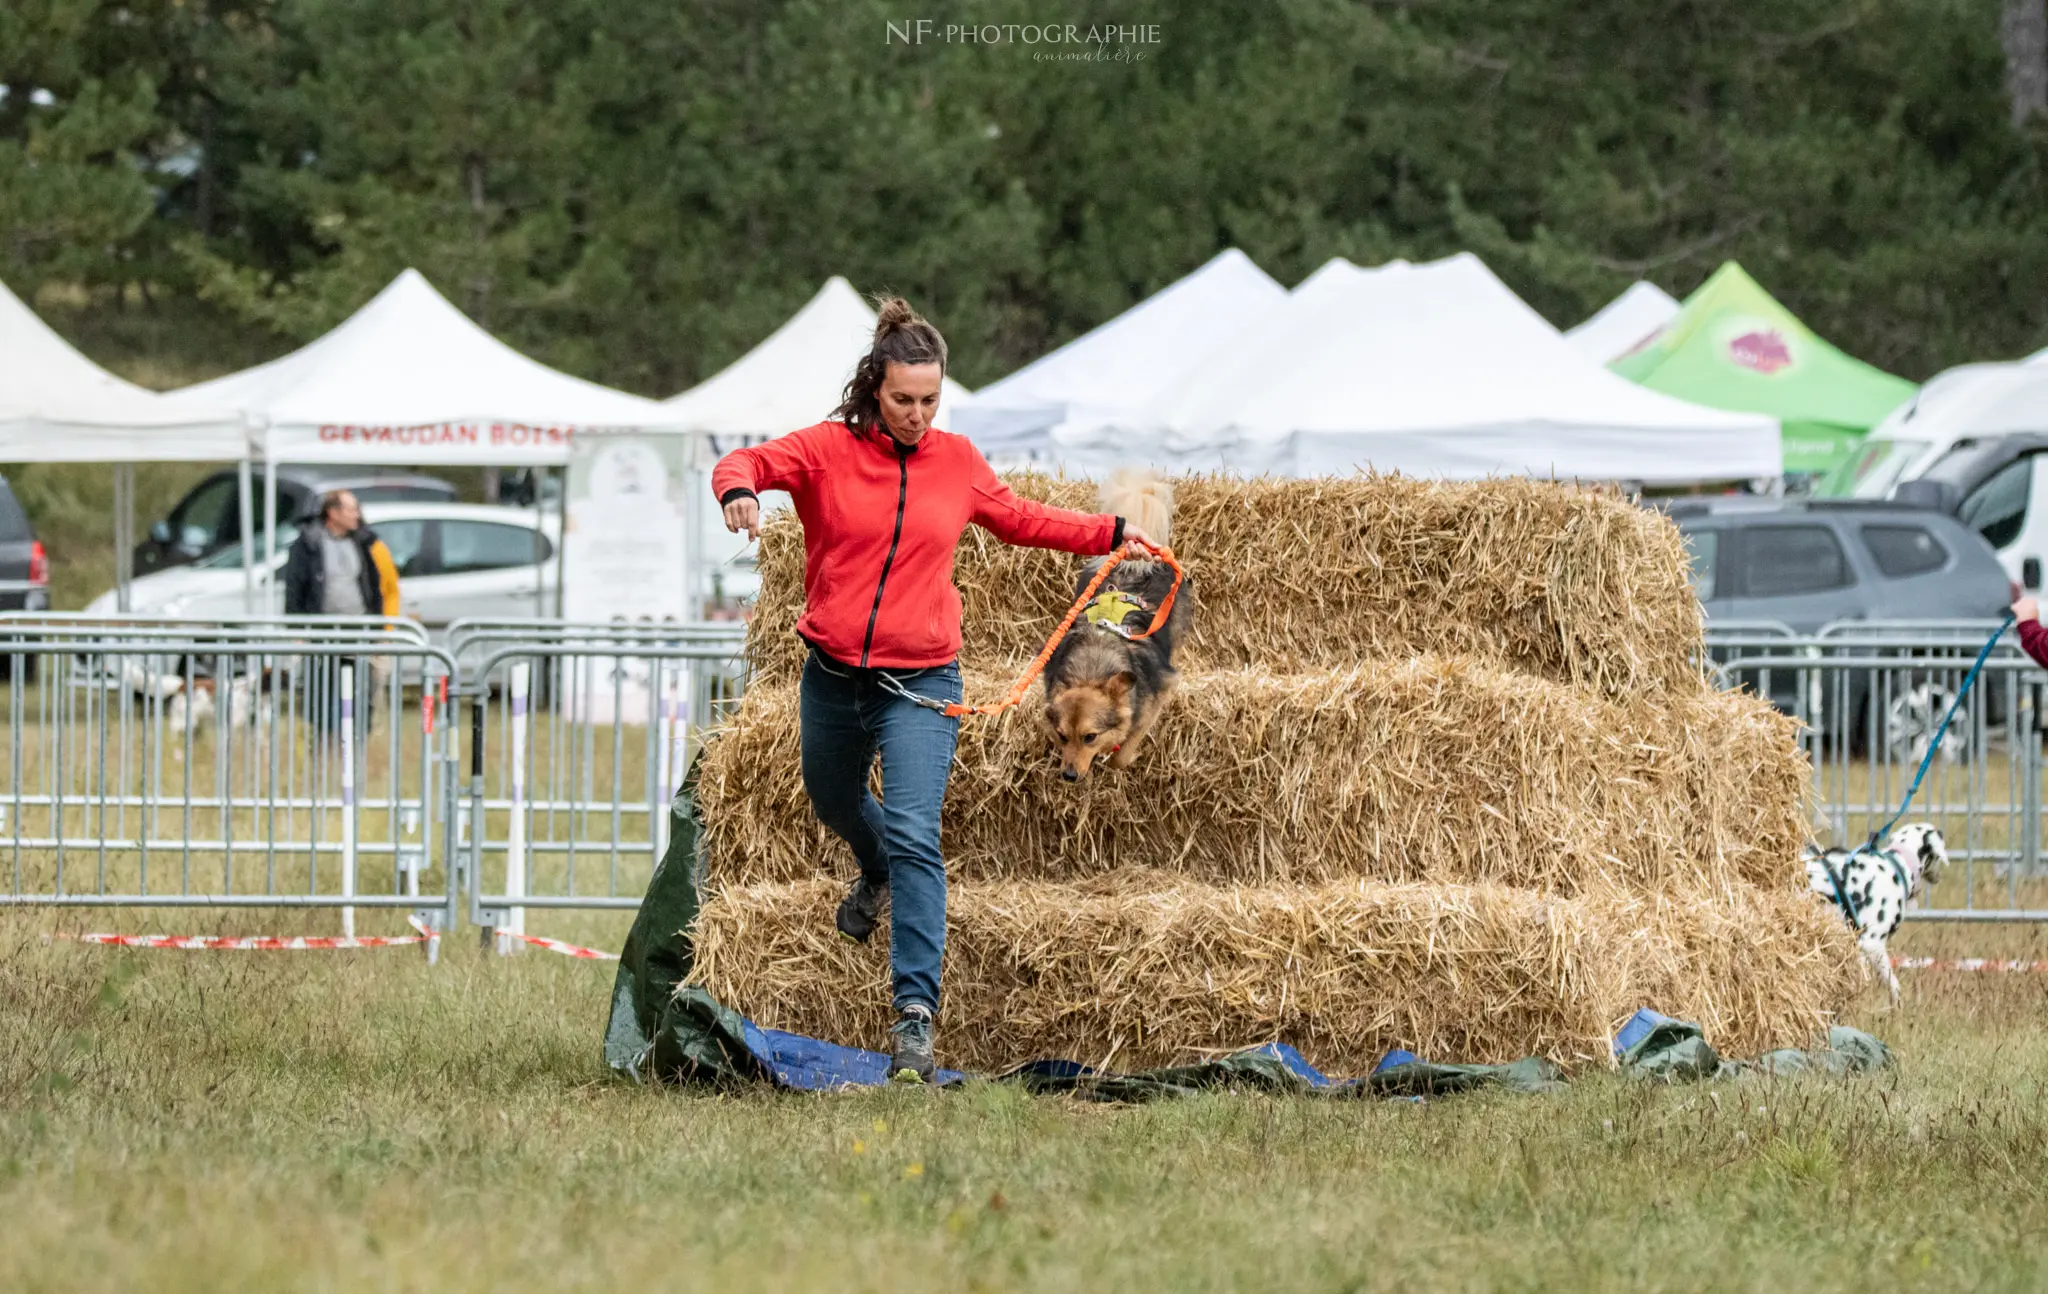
x=217 y=1121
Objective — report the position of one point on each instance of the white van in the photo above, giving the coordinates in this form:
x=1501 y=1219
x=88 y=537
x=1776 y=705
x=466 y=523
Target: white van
x=1965 y=401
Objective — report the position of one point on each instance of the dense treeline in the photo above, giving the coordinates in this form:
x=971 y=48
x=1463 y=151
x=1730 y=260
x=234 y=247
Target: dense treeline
x=637 y=189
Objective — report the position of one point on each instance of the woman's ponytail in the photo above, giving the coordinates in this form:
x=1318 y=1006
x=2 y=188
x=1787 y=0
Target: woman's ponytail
x=902 y=336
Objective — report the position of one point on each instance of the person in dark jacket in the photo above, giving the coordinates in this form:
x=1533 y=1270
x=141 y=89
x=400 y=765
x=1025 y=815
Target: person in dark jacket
x=883 y=497
x=338 y=567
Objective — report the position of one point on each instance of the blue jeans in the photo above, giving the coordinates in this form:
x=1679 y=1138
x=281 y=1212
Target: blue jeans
x=848 y=716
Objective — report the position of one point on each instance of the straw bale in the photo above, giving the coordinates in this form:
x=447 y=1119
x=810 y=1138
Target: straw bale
x=1565 y=583
x=1755 y=968
x=1433 y=769
x=1138 y=978
x=1146 y=972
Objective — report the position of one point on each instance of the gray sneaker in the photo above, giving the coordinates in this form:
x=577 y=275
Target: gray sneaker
x=861 y=910
x=911 y=1059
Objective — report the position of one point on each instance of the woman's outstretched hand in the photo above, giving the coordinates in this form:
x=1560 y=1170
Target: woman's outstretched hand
x=744 y=514
x=1133 y=534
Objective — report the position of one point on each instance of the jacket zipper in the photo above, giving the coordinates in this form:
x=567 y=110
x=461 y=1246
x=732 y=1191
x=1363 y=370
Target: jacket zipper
x=902 y=494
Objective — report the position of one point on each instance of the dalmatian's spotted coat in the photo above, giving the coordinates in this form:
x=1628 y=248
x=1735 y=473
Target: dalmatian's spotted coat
x=1879 y=886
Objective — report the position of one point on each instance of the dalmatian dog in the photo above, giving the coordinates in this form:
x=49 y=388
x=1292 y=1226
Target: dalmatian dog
x=1878 y=886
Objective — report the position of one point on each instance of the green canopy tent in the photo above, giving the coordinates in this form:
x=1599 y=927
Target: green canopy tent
x=1732 y=346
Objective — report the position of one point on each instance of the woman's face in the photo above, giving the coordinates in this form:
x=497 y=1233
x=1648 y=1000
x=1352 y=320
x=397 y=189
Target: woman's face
x=910 y=400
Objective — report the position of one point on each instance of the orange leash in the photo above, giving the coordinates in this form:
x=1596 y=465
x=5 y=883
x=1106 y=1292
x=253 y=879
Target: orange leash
x=1037 y=666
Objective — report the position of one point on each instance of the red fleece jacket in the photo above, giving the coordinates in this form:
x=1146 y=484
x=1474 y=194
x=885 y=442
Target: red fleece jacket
x=880 y=525
x=2034 y=640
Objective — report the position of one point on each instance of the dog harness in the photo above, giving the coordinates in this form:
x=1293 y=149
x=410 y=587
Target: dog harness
x=1839 y=879
x=1108 y=611
x=1087 y=599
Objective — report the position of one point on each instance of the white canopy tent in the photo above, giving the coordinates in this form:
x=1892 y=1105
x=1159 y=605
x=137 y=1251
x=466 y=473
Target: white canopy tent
x=409 y=380
x=1126 y=365
x=793 y=379
x=57 y=406
x=1434 y=370
x=1624 y=323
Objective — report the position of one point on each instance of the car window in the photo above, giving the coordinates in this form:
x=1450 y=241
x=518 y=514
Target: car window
x=1900 y=551
x=487 y=546
x=1778 y=561
x=1704 y=548
x=209 y=514
x=1872 y=470
x=404 y=494
x=407 y=541
x=231 y=556
x=14 y=527
x=1997 y=509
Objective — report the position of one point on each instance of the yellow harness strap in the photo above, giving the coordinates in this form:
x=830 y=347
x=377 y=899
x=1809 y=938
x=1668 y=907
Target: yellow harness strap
x=1110 y=609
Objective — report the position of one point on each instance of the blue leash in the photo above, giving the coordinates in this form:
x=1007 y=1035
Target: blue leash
x=1934 y=744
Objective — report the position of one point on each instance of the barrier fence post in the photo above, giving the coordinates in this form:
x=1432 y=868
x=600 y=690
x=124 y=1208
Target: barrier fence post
x=2028 y=739
x=347 y=671
x=665 y=786
x=515 y=829
x=473 y=846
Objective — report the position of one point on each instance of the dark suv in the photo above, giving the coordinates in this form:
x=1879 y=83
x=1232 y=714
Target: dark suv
x=208 y=518
x=1826 y=561
x=1810 y=564
x=24 y=567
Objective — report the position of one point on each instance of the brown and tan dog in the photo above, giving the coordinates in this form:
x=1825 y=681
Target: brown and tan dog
x=1104 y=689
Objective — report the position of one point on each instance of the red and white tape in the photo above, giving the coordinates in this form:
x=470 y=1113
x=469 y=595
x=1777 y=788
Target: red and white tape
x=312 y=943
x=246 y=943
x=557 y=946
x=423 y=934
x=1967 y=964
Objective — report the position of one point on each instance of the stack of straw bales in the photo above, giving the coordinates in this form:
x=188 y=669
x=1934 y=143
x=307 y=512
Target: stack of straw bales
x=1441 y=775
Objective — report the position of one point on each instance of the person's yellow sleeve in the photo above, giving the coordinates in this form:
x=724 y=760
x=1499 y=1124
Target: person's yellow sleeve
x=387 y=576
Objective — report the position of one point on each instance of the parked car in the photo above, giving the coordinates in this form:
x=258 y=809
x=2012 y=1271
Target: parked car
x=1971 y=400
x=208 y=518
x=24 y=569
x=24 y=566
x=455 y=560
x=1998 y=487
x=1810 y=564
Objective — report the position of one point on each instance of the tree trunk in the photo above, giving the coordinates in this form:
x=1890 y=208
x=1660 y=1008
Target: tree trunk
x=480 y=282
x=2023 y=31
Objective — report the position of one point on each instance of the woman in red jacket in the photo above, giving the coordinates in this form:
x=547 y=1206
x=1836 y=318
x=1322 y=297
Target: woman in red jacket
x=883 y=497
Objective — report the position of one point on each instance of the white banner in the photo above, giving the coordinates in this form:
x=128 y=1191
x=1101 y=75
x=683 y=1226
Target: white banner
x=480 y=444
x=623 y=560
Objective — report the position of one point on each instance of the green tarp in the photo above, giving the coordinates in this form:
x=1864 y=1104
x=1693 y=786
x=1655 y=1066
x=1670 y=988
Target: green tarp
x=657 y=1033
x=1732 y=346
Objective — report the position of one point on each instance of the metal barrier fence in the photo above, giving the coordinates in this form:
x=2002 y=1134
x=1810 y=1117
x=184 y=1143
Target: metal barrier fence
x=595 y=726
x=266 y=762
x=1869 y=697
x=246 y=763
